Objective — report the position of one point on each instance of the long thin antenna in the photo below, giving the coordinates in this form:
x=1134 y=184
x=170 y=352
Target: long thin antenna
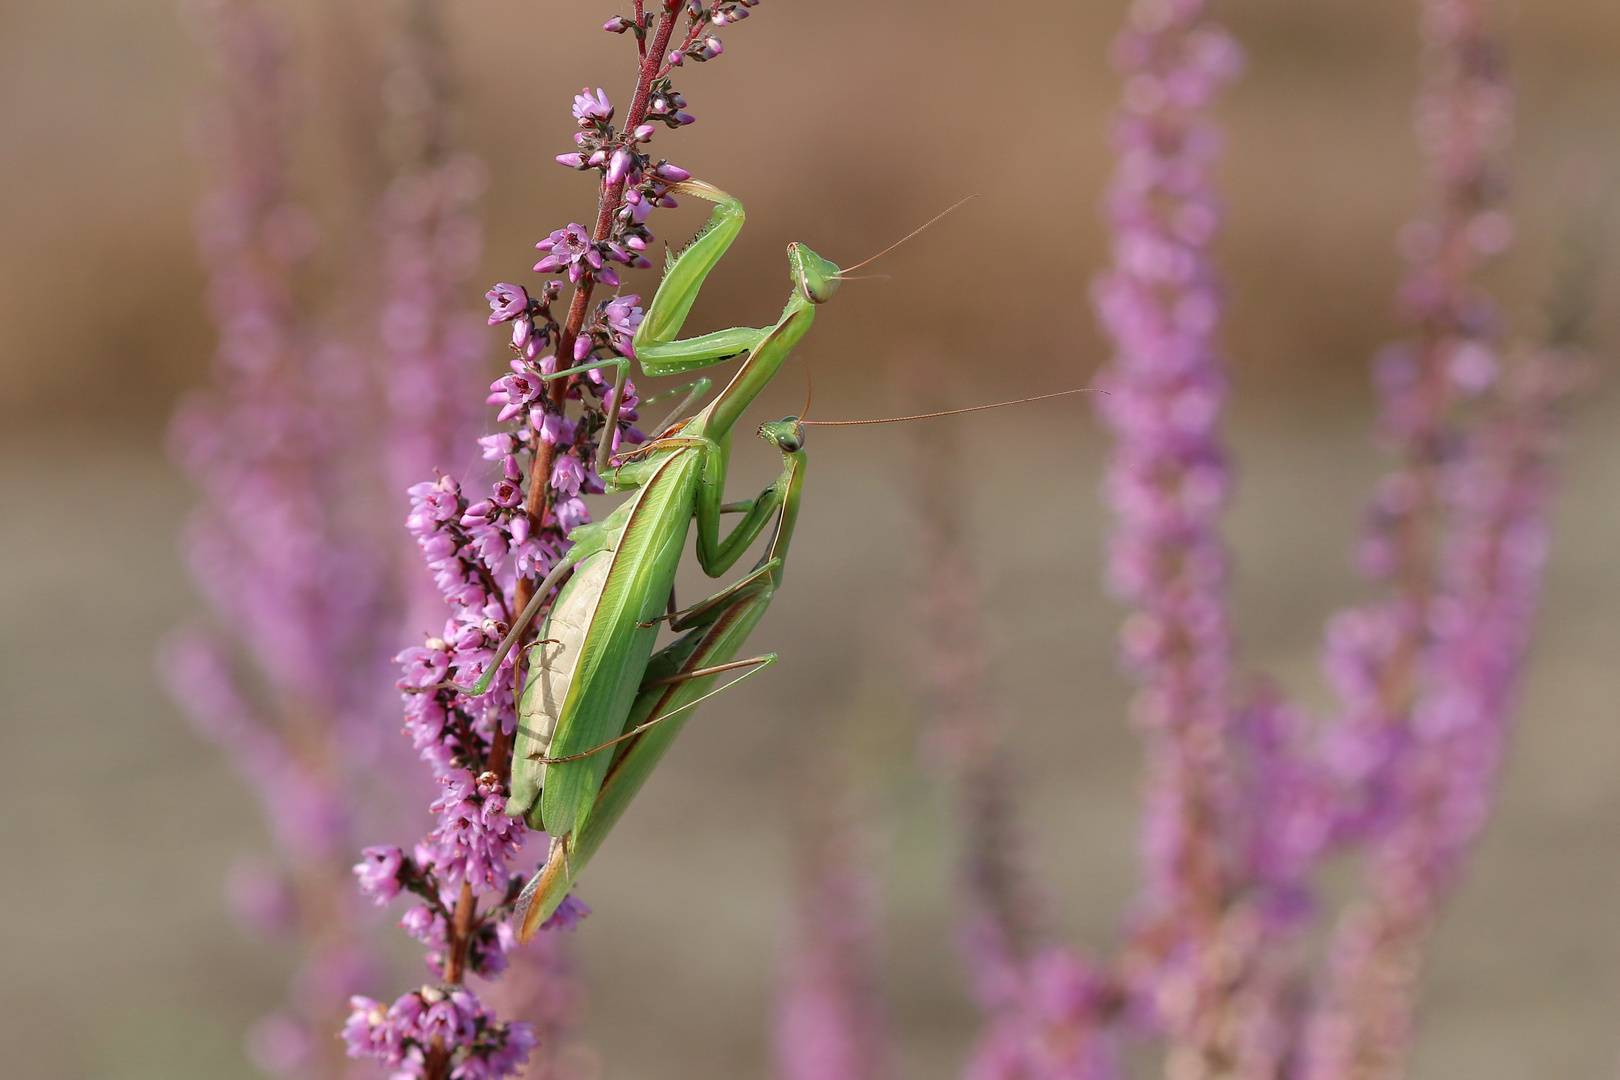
x=809 y=393
x=950 y=412
x=842 y=270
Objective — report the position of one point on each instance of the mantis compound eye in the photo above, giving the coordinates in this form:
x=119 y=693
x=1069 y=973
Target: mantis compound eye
x=786 y=435
x=815 y=277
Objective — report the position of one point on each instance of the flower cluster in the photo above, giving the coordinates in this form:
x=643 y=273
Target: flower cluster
x=420 y=1027
x=486 y=553
x=1457 y=531
x=1168 y=483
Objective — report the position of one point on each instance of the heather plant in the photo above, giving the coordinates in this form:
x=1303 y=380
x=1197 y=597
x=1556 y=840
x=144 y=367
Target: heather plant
x=487 y=553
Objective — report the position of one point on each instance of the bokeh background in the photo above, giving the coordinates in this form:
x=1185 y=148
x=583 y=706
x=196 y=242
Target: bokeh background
x=842 y=124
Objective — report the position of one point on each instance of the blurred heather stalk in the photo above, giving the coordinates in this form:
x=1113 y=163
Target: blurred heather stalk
x=486 y=555
x=1047 y=1012
x=1194 y=946
x=433 y=341
x=1458 y=532
x=829 y=1017
x=1429 y=677
x=280 y=546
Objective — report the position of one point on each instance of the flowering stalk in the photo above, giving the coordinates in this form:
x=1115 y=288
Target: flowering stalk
x=1498 y=499
x=1459 y=531
x=275 y=548
x=1047 y=1011
x=432 y=340
x=486 y=555
x=1168 y=483
x=829 y=1019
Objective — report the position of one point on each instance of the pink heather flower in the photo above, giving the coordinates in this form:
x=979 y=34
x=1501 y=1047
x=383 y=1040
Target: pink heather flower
x=571 y=248
x=621 y=166
x=567 y=915
x=399 y=1036
x=474 y=839
x=567 y=475
x=571 y=513
x=506 y=302
x=592 y=109
x=556 y=429
x=623 y=315
x=378 y=872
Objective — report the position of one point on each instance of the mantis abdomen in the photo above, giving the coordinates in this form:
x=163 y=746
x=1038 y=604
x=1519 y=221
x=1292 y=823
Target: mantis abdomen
x=552 y=662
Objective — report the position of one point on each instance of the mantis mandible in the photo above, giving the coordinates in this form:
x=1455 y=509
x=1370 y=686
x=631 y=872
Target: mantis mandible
x=590 y=679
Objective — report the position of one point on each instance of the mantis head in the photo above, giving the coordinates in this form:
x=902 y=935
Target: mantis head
x=815 y=277
x=786 y=435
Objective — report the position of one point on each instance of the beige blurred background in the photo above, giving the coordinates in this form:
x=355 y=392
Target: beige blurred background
x=841 y=124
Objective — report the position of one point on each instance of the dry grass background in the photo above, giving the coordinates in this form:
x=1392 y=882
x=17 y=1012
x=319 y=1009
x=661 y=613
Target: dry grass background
x=841 y=124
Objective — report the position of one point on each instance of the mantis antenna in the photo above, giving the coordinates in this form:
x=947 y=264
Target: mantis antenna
x=809 y=393
x=843 y=270
x=950 y=412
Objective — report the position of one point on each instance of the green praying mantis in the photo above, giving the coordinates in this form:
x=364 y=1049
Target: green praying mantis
x=600 y=708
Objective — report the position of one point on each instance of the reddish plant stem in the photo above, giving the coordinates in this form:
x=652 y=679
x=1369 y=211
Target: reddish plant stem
x=438 y=1062
x=538 y=503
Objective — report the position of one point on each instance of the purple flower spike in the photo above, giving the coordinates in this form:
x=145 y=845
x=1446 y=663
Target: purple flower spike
x=506 y=302
x=592 y=109
x=478 y=552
